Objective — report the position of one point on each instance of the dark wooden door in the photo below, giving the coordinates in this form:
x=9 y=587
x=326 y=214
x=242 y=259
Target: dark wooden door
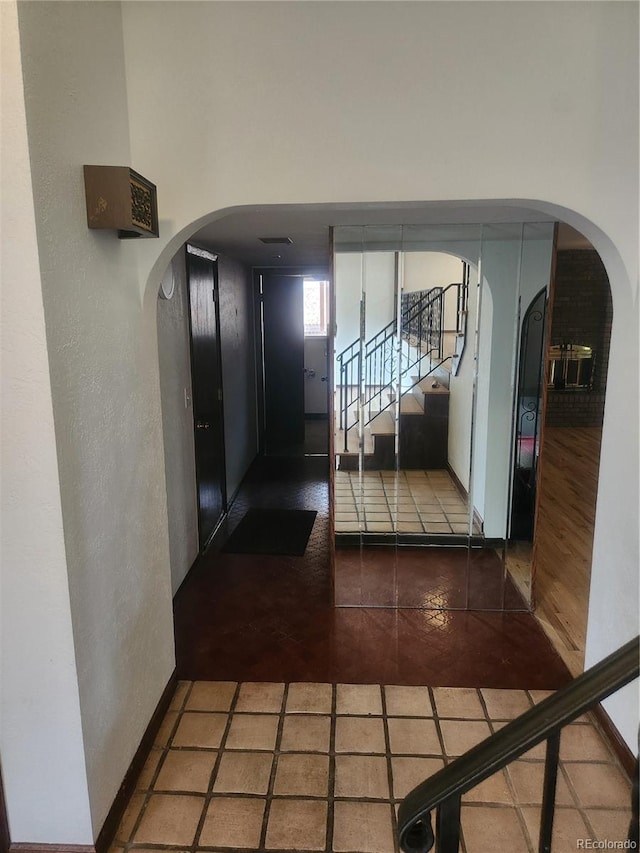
x=283 y=351
x=207 y=390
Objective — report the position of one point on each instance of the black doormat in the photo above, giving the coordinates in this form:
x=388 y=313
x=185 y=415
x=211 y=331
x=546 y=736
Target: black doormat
x=272 y=531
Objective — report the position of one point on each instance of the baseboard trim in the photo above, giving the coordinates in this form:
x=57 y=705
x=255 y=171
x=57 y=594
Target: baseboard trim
x=478 y=521
x=51 y=848
x=615 y=740
x=110 y=826
x=457 y=482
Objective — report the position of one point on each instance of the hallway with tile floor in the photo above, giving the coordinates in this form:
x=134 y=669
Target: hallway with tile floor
x=401 y=501
x=300 y=725
x=313 y=766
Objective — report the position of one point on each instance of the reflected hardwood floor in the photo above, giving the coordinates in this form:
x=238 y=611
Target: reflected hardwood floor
x=564 y=537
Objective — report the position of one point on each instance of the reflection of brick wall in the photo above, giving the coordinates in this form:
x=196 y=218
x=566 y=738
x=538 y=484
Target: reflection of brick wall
x=582 y=314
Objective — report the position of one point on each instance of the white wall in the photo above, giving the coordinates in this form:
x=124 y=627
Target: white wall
x=614 y=593
x=424 y=270
x=356 y=274
x=378 y=286
x=557 y=57
x=177 y=423
x=480 y=415
x=515 y=264
x=374 y=271
x=250 y=137
x=347 y=278
x=316 y=353
x=40 y=726
x=461 y=388
x=102 y=344
x=535 y=267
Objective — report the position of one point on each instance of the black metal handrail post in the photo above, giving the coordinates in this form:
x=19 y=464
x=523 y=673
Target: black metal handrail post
x=549 y=792
x=448 y=826
x=341 y=392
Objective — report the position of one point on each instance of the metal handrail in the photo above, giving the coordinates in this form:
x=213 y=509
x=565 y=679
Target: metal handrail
x=444 y=789
x=372 y=364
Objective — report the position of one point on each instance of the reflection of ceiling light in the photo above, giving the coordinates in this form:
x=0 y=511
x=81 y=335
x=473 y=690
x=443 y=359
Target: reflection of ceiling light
x=271 y=241
x=276 y=257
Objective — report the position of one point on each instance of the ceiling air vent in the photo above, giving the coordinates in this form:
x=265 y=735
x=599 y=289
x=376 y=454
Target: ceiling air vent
x=276 y=241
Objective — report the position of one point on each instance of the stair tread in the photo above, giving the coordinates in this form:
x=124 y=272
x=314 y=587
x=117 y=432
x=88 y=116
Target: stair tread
x=382 y=424
x=409 y=405
x=426 y=386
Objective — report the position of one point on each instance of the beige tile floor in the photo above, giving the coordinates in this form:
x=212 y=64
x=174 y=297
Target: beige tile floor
x=403 y=502
x=292 y=767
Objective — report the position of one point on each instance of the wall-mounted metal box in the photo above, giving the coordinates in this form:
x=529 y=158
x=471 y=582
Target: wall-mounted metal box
x=120 y=199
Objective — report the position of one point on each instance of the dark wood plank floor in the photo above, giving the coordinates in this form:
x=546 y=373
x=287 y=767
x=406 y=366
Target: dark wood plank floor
x=255 y=618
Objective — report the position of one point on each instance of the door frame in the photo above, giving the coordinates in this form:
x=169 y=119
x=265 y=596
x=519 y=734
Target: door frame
x=190 y=248
x=318 y=270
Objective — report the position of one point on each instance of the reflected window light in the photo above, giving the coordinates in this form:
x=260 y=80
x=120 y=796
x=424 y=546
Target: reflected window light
x=316 y=308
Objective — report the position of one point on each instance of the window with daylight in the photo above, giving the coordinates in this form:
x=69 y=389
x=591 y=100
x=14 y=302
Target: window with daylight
x=316 y=308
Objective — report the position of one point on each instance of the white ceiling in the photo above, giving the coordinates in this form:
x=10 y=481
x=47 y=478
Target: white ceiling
x=237 y=234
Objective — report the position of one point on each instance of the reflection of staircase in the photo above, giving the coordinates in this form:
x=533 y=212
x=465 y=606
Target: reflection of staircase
x=415 y=365
x=423 y=431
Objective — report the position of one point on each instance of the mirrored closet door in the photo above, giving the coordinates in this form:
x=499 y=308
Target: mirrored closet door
x=427 y=346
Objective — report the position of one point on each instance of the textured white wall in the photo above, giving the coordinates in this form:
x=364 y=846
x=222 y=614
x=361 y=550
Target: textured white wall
x=268 y=126
x=541 y=66
x=102 y=344
x=40 y=727
x=614 y=593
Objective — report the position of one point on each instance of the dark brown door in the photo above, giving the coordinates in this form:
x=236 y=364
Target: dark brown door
x=207 y=390
x=283 y=349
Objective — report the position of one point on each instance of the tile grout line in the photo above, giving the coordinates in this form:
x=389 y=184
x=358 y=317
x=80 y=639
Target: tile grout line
x=445 y=760
x=423 y=523
x=387 y=740
x=150 y=790
x=582 y=810
x=331 y=782
x=530 y=842
x=216 y=767
x=274 y=768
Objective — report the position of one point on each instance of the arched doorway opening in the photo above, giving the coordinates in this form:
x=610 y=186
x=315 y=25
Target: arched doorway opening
x=232 y=310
